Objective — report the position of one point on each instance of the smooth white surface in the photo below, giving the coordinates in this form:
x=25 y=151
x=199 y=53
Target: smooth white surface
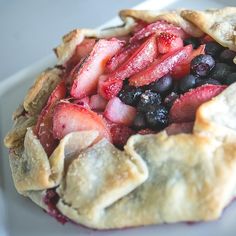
x=20 y=217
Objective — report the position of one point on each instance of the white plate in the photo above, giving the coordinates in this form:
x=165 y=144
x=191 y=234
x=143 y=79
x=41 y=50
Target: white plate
x=19 y=216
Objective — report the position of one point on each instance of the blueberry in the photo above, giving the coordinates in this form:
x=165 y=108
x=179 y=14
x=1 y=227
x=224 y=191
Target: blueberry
x=213 y=49
x=130 y=95
x=231 y=78
x=147 y=100
x=158 y=118
x=170 y=99
x=202 y=64
x=187 y=83
x=200 y=82
x=163 y=85
x=139 y=121
x=227 y=56
x=194 y=41
x=220 y=72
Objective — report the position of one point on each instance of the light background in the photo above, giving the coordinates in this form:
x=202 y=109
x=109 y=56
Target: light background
x=29 y=29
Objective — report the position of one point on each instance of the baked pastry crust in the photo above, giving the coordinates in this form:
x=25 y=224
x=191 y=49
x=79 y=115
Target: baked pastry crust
x=220 y=24
x=157 y=178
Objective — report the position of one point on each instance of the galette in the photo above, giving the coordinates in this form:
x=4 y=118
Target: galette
x=135 y=125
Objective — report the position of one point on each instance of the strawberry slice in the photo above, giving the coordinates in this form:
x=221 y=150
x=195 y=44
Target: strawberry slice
x=183 y=69
x=120 y=134
x=167 y=42
x=139 y=24
x=97 y=102
x=177 y=128
x=119 y=113
x=157 y=28
x=69 y=117
x=141 y=58
x=43 y=128
x=184 y=108
x=121 y=56
x=160 y=67
x=86 y=78
x=82 y=50
x=109 y=87
x=180 y=71
x=85 y=102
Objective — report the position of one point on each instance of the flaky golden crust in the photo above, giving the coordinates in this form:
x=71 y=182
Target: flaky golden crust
x=220 y=24
x=38 y=94
x=157 y=178
x=33 y=103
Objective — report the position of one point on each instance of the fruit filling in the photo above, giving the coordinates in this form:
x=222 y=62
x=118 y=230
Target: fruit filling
x=50 y=199
x=155 y=79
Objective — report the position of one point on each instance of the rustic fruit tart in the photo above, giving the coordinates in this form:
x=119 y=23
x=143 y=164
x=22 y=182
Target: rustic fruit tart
x=135 y=125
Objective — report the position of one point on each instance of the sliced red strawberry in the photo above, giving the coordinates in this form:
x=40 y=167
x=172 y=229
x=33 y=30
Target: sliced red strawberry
x=160 y=67
x=183 y=69
x=120 y=134
x=85 y=102
x=109 y=87
x=82 y=50
x=139 y=24
x=97 y=103
x=158 y=27
x=140 y=59
x=121 y=56
x=43 y=128
x=69 y=117
x=180 y=71
x=177 y=128
x=119 y=113
x=167 y=42
x=86 y=78
x=184 y=108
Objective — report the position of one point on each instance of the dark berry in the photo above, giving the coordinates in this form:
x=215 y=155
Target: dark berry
x=194 y=41
x=176 y=87
x=170 y=99
x=202 y=64
x=220 y=72
x=200 y=82
x=227 y=56
x=231 y=78
x=213 y=49
x=139 y=121
x=163 y=85
x=187 y=83
x=158 y=118
x=147 y=99
x=130 y=95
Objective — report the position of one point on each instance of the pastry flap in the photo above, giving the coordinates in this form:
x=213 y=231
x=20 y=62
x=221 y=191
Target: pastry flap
x=33 y=170
x=218 y=23
x=99 y=177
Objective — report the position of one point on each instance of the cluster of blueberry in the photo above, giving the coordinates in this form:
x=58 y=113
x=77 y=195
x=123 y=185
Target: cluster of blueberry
x=154 y=100
x=214 y=67
x=150 y=103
